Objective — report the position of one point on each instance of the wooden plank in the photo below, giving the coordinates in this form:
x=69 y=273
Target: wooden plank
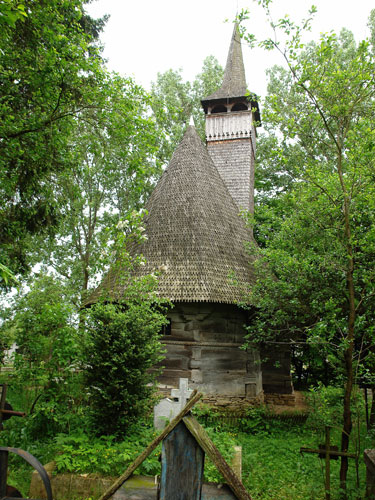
x=182 y=463
x=210 y=449
x=137 y=462
x=331 y=452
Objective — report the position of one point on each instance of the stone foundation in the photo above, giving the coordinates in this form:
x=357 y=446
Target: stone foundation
x=232 y=404
x=274 y=399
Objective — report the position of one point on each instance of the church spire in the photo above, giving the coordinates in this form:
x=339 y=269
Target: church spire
x=232 y=115
x=234 y=82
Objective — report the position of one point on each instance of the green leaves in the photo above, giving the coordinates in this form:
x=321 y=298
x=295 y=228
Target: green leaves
x=11 y=12
x=175 y=101
x=50 y=72
x=314 y=215
x=123 y=350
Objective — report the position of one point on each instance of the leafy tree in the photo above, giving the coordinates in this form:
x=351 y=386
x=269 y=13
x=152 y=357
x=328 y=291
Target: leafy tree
x=50 y=72
x=11 y=12
x=175 y=101
x=43 y=326
x=322 y=244
x=113 y=170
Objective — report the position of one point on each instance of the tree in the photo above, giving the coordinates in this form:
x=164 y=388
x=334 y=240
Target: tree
x=174 y=102
x=11 y=12
x=43 y=325
x=318 y=282
x=113 y=170
x=51 y=71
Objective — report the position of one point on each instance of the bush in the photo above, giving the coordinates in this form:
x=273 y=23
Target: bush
x=47 y=359
x=123 y=346
x=326 y=406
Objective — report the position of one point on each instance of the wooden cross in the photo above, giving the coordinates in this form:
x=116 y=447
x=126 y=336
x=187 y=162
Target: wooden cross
x=328 y=452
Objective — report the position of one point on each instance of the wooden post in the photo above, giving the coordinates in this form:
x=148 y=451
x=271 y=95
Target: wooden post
x=3 y=472
x=182 y=463
x=328 y=465
x=137 y=462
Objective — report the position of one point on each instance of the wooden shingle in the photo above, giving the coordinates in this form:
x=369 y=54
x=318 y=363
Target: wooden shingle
x=195 y=234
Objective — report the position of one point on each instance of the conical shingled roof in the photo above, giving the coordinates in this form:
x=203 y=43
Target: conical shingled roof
x=194 y=232
x=234 y=82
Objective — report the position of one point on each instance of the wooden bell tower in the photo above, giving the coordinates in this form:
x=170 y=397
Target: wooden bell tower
x=232 y=116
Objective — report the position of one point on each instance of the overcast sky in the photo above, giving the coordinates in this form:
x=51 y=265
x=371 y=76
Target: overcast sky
x=144 y=37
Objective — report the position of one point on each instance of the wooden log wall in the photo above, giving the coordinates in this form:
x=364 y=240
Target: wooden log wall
x=204 y=346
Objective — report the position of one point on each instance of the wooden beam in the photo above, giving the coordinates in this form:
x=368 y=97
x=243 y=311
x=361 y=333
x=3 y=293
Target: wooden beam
x=331 y=452
x=208 y=446
x=137 y=462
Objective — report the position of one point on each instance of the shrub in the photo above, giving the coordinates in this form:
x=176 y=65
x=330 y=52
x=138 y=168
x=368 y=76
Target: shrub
x=123 y=346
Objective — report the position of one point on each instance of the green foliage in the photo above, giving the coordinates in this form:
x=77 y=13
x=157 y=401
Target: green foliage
x=315 y=202
x=123 y=346
x=11 y=11
x=81 y=453
x=47 y=356
x=315 y=281
x=175 y=101
x=113 y=171
x=224 y=442
x=272 y=466
x=51 y=72
x=325 y=405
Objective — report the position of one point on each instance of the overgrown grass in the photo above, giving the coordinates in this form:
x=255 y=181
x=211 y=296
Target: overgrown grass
x=273 y=468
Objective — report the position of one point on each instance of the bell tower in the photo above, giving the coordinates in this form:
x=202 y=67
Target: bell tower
x=232 y=116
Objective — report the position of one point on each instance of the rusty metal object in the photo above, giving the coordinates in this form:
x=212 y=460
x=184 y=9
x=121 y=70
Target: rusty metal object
x=6 y=410
x=9 y=412
x=30 y=459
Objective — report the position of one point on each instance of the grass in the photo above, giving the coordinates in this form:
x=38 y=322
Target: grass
x=273 y=468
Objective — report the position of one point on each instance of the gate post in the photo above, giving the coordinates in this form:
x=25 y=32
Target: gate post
x=369 y=456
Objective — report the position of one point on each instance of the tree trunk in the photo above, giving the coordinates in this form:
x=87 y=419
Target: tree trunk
x=372 y=412
x=348 y=355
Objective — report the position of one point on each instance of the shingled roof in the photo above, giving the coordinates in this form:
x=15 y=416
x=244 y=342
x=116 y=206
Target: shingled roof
x=194 y=233
x=234 y=82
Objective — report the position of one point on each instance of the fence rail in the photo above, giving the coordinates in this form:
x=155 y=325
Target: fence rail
x=236 y=419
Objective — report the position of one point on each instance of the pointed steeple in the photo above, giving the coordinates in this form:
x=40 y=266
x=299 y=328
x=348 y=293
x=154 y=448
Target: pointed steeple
x=195 y=237
x=234 y=82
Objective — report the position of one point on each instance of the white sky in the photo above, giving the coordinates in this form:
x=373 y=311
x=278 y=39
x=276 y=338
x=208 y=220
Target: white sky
x=144 y=37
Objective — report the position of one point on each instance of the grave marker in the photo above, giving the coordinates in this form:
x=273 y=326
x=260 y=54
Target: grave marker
x=167 y=409
x=192 y=449
x=328 y=452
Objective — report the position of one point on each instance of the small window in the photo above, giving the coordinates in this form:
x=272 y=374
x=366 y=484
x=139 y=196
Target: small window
x=166 y=329
x=220 y=108
x=239 y=106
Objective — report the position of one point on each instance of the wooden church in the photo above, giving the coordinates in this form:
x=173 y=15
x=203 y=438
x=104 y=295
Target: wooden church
x=198 y=239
